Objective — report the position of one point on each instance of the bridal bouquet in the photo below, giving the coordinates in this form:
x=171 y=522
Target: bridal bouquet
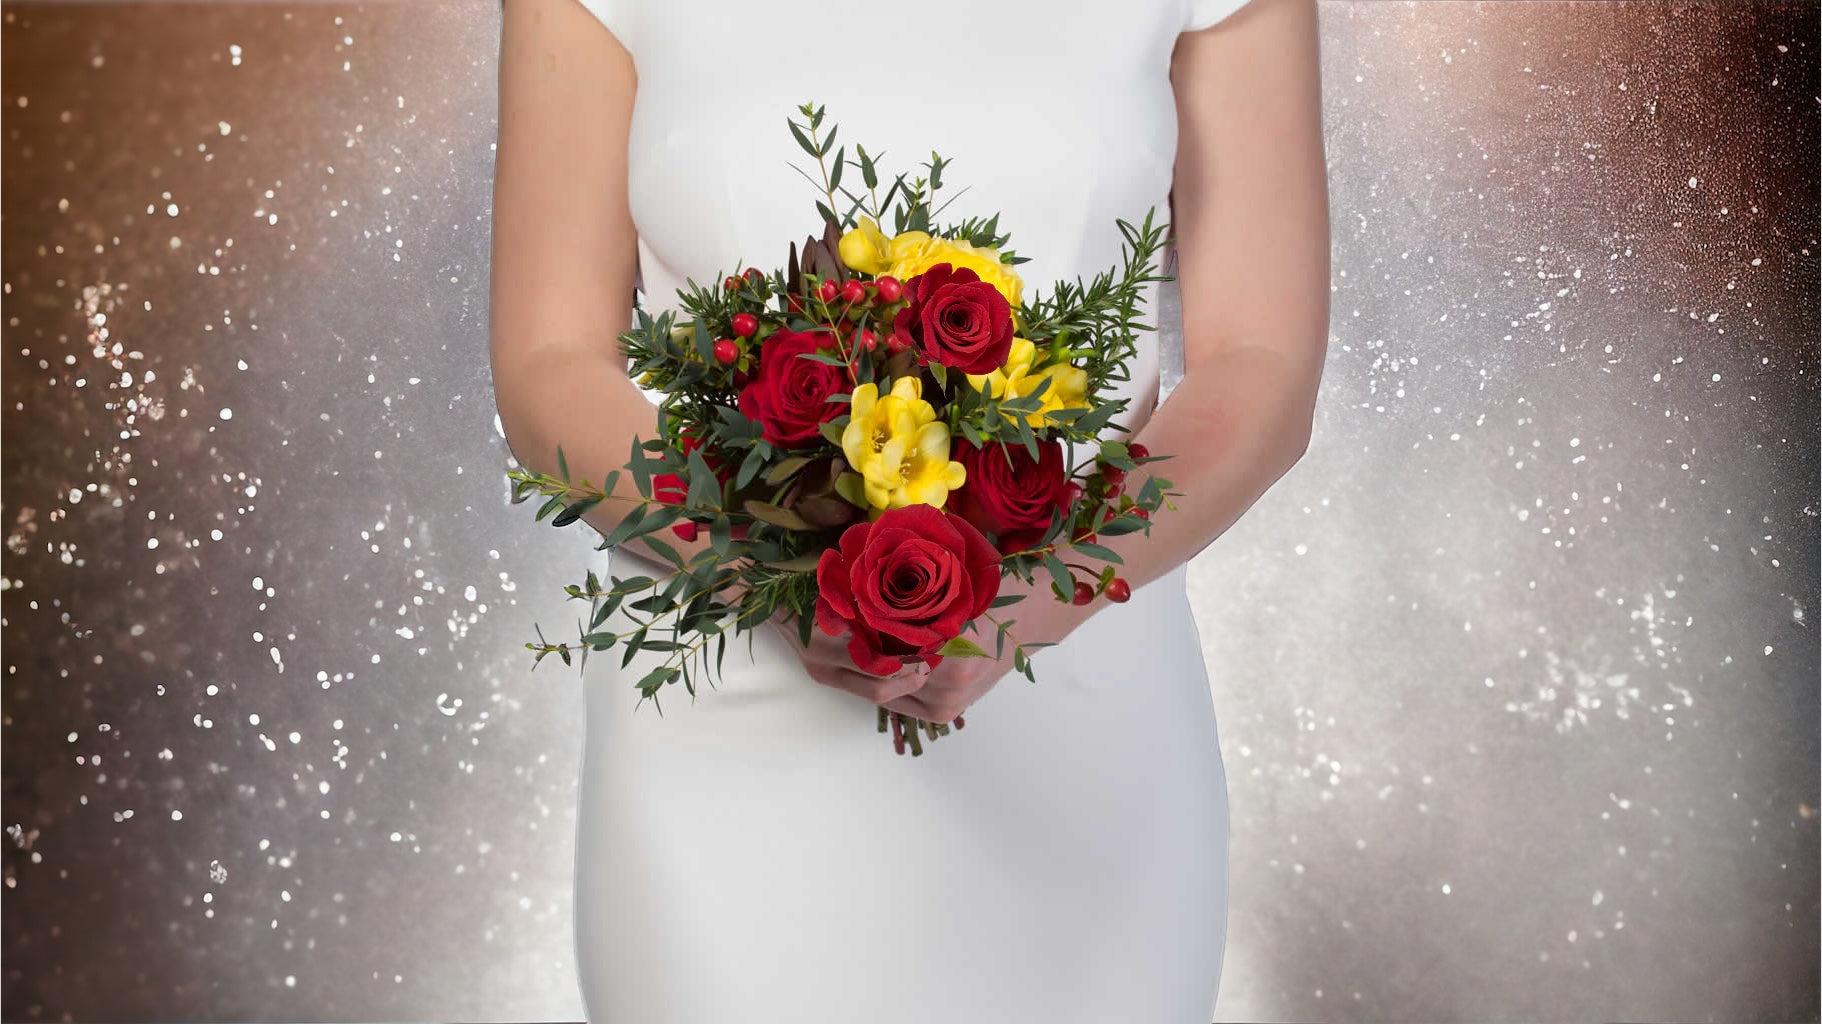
x=872 y=438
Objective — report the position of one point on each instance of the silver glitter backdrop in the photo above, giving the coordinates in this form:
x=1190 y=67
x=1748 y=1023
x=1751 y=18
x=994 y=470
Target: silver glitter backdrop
x=1516 y=670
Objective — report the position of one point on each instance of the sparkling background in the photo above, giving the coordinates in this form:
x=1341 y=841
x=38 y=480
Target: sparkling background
x=1516 y=669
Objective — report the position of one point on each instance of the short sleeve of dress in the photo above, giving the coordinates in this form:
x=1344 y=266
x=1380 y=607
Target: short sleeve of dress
x=1200 y=15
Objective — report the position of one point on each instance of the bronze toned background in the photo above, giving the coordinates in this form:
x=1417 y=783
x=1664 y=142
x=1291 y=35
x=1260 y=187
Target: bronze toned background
x=1517 y=670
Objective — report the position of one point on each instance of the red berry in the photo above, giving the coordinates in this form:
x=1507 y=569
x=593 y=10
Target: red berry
x=731 y=283
x=866 y=340
x=1141 y=513
x=889 y=289
x=794 y=302
x=685 y=531
x=754 y=275
x=827 y=291
x=745 y=324
x=1119 y=590
x=726 y=351
x=895 y=345
x=1083 y=593
x=853 y=293
x=1138 y=451
x=1072 y=493
x=1115 y=476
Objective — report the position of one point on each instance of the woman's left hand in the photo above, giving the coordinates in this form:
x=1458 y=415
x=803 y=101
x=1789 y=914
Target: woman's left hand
x=955 y=685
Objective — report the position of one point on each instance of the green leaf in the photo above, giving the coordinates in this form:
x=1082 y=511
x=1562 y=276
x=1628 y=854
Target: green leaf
x=670 y=553
x=961 y=647
x=823 y=357
x=599 y=641
x=831 y=431
x=705 y=489
x=1059 y=572
x=749 y=467
x=802 y=139
x=720 y=534
x=626 y=527
x=704 y=343
x=642 y=473
x=575 y=511
x=1005 y=600
x=868 y=173
x=658 y=677
x=840 y=159
x=1120 y=526
x=802 y=563
x=1097 y=551
x=562 y=465
x=549 y=506
x=784 y=470
x=769 y=513
x=852 y=487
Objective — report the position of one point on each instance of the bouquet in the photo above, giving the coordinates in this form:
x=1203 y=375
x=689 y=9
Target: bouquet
x=873 y=438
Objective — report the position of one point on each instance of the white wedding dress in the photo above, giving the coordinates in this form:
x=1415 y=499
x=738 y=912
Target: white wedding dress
x=760 y=854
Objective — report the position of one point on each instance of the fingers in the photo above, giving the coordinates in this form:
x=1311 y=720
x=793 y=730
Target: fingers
x=877 y=689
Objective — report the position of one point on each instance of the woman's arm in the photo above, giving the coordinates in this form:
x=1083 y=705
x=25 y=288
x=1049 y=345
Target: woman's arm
x=565 y=251
x=1252 y=237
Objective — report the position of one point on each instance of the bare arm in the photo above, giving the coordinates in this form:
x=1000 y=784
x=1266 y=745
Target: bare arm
x=1252 y=236
x=565 y=250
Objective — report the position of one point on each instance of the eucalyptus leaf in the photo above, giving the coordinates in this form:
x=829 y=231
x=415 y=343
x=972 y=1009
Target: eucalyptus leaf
x=1093 y=550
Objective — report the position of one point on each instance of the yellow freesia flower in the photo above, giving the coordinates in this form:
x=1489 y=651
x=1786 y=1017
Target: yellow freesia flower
x=914 y=252
x=899 y=447
x=866 y=248
x=1068 y=384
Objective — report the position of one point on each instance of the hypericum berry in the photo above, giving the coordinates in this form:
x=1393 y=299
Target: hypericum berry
x=731 y=283
x=685 y=531
x=794 y=302
x=889 y=289
x=827 y=291
x=1119 y=590
x=726 y=351
x=1138 y=451
x=867 y=340
x=853 y=293
x=754 y=275
x=745 y=324
x=1083 y=593
x=1141 y=513
x=895 y=345
x=1072 y=493
x=1115 y=476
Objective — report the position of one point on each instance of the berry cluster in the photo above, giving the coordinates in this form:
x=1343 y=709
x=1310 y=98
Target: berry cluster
x=1105 y=491
x=844 y=305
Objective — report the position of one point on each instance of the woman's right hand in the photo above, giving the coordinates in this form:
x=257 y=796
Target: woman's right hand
x=828 y=662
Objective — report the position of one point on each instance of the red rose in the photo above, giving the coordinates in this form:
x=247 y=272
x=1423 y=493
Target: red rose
x=1013 y=501
x=956 y=319
x=905 y=584
x=788 y=396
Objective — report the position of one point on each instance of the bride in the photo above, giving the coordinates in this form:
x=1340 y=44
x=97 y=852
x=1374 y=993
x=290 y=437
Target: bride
x=759 y=853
